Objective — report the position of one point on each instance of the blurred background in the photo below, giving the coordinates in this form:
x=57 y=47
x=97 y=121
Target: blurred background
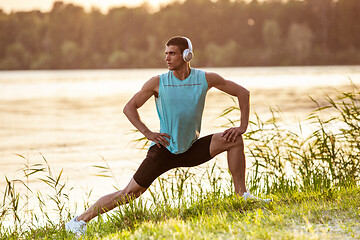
x=131 y=34
x=68 y=68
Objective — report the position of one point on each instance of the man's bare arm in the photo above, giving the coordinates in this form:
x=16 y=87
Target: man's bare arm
x=243 y=95
x=149 y=89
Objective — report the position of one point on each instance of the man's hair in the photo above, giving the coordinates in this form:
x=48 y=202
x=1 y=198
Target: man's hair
x=180 y=42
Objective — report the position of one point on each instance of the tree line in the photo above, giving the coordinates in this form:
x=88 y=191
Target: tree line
x=224 y=33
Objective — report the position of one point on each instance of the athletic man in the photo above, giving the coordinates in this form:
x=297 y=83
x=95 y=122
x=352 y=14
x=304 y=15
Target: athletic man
x=180 y=96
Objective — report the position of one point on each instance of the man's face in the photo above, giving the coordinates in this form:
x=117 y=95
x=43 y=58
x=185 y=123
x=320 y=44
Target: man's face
x=173 y=57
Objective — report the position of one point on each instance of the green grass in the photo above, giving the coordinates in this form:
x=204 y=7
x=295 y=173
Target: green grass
x=313 y=179
x=331 y=214
x=295 y=216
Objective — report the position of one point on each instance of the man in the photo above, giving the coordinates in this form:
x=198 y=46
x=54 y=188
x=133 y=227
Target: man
x=180 y=96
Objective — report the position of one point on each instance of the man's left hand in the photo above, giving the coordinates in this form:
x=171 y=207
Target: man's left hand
x=231 y=134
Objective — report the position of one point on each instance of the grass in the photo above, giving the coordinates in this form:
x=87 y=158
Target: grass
x=313 y=178
x=290 y=217
x=333 y=214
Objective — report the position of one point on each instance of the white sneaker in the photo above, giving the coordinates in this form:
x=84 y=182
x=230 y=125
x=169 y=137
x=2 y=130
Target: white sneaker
x=75 y=226
x=248 y=196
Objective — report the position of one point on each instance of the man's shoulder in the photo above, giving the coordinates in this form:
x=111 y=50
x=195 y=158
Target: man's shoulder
x=213 y=78
x=152 y=83
x=154 y=79
x=211 y=74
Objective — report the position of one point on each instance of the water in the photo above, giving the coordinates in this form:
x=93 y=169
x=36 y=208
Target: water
x=74 y=118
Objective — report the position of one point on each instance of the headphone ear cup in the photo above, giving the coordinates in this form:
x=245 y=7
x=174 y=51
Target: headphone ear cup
x=187 y=55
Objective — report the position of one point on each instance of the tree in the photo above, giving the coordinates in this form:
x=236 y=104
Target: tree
x=221 y=55
x=348 y=23
x=16 y=57
x=273 y=41
x=299 y=42
x=223 y=32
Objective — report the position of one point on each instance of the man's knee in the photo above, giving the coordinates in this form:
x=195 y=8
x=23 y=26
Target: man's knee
x=131 y=194
x=125 y=195
x=133 y=190
x=240 y=142
x=219 y=144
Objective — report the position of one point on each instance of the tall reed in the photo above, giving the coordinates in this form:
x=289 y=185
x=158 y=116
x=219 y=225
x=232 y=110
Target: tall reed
x=328 y=156
x=28 y=210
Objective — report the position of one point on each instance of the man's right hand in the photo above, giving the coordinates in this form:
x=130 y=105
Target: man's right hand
x=158 y=138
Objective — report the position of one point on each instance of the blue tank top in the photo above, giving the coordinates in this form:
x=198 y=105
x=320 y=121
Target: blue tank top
x=180 y=106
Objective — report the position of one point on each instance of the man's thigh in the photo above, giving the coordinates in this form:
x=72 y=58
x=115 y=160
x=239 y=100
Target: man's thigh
x=197 y=154
x=157 y=161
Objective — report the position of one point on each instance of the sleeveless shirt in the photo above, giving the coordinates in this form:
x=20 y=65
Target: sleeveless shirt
x=180 y=105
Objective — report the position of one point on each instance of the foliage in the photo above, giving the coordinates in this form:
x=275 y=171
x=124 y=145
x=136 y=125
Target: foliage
x=224 y=33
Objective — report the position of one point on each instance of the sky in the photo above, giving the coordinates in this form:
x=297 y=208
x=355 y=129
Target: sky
x=46 y=5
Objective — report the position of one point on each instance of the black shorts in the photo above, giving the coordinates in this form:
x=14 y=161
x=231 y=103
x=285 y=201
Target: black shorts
x=159 y=160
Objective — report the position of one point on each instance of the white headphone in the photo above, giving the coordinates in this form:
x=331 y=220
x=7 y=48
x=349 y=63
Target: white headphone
x=188 y=53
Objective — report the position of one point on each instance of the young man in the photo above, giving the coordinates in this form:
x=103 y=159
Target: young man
x=180 y=96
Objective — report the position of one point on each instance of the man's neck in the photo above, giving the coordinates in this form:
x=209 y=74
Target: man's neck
x=183 y=73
